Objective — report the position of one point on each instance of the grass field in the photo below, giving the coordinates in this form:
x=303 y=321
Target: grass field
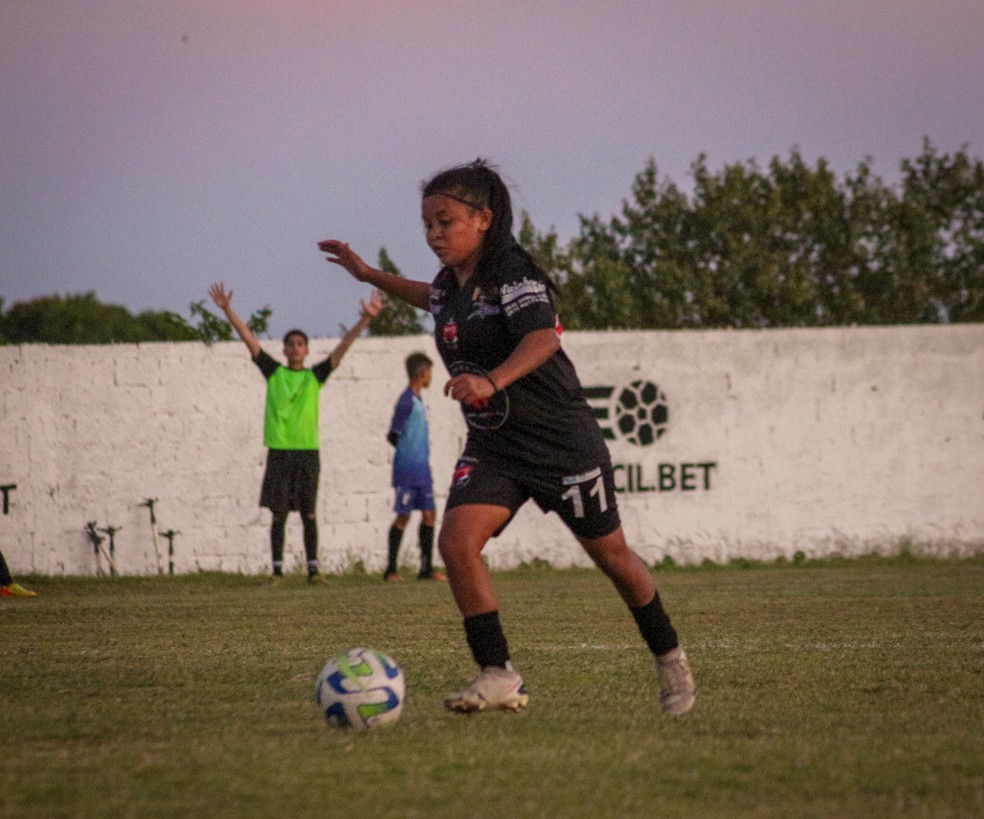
x=842 y=689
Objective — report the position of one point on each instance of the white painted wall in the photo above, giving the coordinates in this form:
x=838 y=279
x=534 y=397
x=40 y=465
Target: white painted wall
x=846 y=440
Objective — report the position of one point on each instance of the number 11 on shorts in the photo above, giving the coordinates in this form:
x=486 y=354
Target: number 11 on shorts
x=576 y=493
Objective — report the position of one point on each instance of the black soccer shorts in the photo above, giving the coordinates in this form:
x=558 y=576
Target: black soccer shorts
x=290 y=482
x=585 y=502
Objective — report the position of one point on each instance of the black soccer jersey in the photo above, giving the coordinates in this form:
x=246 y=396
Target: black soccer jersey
x=541 y=420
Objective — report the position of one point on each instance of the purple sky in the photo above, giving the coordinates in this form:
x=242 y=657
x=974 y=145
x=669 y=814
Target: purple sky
x=148 y=148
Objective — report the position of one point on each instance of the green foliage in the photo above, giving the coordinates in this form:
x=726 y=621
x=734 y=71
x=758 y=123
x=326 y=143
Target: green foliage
x=944 y=197
x=83 y=319
x=167 y=326
x=789 y=246
x=398 y=318
x=211 y=327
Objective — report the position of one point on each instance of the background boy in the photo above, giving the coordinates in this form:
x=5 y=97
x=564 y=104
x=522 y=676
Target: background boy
x=290 y=427
x=412 y=481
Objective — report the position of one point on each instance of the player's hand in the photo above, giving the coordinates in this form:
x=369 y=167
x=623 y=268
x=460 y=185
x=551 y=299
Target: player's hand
x=220 y=296
x=341 y=254
x=473 y=390
x=376 y=303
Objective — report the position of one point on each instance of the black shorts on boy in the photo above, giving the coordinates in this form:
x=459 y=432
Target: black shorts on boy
x=290 y=482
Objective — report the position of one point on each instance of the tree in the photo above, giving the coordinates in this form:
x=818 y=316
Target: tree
x=83 y=319
x=944 y=197
x=398 y=318
x=787 y=246
x=212 y=328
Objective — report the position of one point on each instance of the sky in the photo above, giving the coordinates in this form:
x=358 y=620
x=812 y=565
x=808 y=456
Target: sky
x=151 y=147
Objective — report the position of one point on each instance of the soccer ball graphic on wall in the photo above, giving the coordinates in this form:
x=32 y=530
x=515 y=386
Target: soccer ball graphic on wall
x=641 y=414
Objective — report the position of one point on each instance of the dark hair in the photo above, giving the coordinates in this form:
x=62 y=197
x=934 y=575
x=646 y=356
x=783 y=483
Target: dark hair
x=295 y=332
x=479 y=186
x=417 y=362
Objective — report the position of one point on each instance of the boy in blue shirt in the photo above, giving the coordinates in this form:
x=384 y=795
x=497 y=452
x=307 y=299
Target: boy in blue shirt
x=412 y=481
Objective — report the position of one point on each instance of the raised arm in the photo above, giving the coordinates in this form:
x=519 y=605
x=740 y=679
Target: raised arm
x=367 y=313
x=414 y=293
x=223 y=300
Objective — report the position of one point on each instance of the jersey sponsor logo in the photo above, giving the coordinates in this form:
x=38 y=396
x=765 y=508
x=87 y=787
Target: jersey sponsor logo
x=487 y=414
x=481 y=307
x=522 y=294
x=436 y=300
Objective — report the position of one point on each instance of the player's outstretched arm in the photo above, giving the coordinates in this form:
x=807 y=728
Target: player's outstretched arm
x=415 y=293
x=367 y=312
x=223 y=300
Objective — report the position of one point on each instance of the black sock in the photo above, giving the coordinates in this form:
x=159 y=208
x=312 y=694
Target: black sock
x=486 y=640
x=277 y=526
x=395 y=538
x=310 y=542
x=655 y=627
x=426 y=535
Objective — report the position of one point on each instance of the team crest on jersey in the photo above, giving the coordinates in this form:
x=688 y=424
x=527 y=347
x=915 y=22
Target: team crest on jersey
x=462 y=472
x=449 y=334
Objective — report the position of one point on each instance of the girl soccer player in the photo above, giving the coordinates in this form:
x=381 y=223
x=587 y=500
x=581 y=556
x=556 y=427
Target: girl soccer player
x=531 y=433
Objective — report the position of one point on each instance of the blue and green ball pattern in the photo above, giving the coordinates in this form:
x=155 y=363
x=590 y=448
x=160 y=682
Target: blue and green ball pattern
x=360 y=688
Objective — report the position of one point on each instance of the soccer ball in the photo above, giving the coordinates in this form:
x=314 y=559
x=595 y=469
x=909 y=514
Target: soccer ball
x=360 y=688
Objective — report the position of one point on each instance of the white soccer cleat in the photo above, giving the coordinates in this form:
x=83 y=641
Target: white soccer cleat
x=677 y=690
x=494 y=688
